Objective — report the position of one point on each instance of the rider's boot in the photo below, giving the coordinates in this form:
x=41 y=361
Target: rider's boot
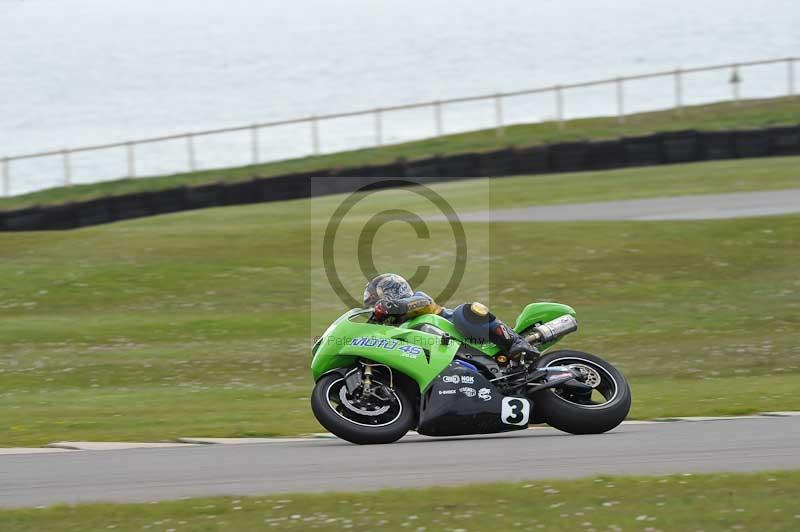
x=507 y=339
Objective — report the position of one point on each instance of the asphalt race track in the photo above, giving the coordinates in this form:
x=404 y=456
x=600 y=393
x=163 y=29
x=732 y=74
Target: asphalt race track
x=744 y=444
x=700 y=207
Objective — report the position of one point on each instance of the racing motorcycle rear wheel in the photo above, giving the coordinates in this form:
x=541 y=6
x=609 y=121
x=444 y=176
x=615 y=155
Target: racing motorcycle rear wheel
x=382 y=417
x=600 y=410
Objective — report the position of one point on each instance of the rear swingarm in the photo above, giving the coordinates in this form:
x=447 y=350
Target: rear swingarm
x=554 y=376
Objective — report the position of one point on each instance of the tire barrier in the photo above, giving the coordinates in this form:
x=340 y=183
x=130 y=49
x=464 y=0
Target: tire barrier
x=648 y=150
x=643 y=151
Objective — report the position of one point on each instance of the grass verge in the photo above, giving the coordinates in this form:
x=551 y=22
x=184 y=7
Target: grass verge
x=200 y=323
x=718 y=116
x=762 y=501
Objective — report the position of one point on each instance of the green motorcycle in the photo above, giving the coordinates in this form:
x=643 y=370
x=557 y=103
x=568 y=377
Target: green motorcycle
x=375 y=382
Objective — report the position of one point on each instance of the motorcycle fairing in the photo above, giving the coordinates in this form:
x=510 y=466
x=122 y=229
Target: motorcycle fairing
x=415 y=353
x=460 y=401
x=542 y=312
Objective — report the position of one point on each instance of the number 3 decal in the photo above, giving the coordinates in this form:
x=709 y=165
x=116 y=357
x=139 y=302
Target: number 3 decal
x=515 y=411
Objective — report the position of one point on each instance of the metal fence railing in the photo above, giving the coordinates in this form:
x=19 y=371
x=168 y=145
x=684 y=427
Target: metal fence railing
x=130 y=147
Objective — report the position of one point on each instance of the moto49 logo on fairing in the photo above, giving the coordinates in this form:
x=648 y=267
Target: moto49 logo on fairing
x=407 y=350
x=367 y=341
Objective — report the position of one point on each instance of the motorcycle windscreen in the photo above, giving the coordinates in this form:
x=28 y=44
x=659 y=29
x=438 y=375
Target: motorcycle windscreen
x=460 y=401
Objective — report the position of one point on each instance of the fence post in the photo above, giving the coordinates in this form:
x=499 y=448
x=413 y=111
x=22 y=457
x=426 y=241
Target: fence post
x=254 y=143
x=736 y=80
x=620 y=101
x=130 y=155
x=790 y=75
x=560 y=106
x=67 y=166
x=314 y=135
x=6 y=164
x=679 y=91
x=437 y=117
x=378 y=126
x=500 y=130
x=190 y=151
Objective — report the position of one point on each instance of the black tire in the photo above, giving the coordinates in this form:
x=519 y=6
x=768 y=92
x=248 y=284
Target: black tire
x=352 y=431
x=564 y=414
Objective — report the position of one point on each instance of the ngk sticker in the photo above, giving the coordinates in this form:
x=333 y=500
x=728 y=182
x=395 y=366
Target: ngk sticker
x=455 y=379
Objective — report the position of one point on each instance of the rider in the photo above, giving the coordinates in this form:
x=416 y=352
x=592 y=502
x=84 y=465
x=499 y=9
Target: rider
x=389 y=295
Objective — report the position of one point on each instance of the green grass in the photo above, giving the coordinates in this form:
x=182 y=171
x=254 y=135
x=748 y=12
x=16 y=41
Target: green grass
x=636 y=183
x=719 y=116
x=199 y=323
x=762 y=501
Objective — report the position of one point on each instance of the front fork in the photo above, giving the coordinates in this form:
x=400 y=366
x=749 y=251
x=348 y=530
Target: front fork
x=357 y=378
x=366 y=382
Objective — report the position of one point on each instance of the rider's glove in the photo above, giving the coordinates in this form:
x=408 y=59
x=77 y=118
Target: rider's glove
x=389 y=307
x=379 y=311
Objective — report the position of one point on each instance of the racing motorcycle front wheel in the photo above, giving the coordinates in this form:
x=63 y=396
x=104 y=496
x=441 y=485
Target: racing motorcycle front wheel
x=600 y=405
x=383 y=415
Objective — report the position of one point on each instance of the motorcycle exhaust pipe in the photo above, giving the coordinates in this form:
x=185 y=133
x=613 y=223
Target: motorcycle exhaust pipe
x=553 y=330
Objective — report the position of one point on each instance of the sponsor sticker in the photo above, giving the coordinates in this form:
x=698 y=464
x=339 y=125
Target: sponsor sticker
x=485 y=394
x=408 y=351
x=374 y=342
x=447 y=392
x=515 y=411
x=469 y=392
x=452 y=379
x=411 y=351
